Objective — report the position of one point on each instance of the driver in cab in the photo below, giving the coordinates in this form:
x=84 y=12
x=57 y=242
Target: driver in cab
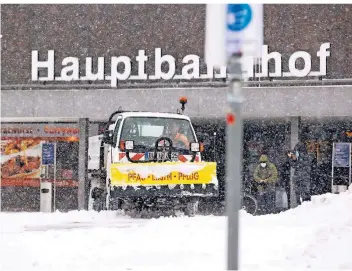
x=176 y=136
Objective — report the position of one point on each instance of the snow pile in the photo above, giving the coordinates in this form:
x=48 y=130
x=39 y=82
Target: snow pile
x=315 y=235
x=18 y=222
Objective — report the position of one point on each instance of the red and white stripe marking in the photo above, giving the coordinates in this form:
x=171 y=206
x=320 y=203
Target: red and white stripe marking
x=133 y=156
x=187 y=158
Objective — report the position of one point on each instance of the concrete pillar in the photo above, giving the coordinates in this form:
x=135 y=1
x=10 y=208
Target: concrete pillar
x=93 y=129
x=83 y=124
x=295 y=130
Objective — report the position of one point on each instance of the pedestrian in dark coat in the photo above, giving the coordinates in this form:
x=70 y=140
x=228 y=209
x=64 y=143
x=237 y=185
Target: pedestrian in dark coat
x=266 y=177
x=284 y=181
x=301 y=161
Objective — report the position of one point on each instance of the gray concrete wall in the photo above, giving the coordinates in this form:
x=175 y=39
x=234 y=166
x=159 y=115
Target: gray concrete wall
x=115 y=30
x=95 y=104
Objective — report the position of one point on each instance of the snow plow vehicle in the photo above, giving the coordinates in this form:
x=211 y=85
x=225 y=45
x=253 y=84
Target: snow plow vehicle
x=147 y=163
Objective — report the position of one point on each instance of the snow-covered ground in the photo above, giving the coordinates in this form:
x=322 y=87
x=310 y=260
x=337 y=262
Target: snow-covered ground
x=316 y=235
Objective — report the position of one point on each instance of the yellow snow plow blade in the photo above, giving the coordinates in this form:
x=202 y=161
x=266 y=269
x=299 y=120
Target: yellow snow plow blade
x=167 y=173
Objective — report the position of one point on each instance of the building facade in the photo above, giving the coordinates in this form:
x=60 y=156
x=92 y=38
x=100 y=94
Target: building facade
x=279 y=110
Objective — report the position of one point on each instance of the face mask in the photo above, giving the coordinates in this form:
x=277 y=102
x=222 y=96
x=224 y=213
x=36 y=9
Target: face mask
x=297 y=154
x=263 y=164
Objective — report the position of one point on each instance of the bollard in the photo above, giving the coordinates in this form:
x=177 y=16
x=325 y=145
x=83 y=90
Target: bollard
x=45 y=197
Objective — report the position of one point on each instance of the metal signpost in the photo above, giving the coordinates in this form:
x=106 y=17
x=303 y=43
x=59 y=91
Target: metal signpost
x=241 y=36
x=234 y=159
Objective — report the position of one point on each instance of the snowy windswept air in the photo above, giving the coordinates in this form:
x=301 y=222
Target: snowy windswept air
x=173 y=136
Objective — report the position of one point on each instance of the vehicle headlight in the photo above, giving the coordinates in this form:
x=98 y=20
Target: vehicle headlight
x=195 y=147
x=129 y=145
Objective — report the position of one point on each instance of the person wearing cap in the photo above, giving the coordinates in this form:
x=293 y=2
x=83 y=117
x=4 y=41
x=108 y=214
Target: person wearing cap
x=266 y=177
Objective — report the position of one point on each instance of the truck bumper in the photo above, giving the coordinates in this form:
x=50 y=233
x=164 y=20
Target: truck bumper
x=180 y=191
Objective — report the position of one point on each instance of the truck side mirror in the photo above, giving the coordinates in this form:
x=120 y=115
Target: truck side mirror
x=204 y=138
x=108 y=137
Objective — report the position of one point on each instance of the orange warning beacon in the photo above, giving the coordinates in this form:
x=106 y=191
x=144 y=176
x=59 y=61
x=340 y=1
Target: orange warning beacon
x=183 y=101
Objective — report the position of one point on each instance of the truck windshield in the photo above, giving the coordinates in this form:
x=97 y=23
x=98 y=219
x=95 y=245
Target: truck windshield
x=144 y=131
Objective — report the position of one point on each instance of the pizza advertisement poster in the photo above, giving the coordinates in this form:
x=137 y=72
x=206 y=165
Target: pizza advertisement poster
x=20 y=160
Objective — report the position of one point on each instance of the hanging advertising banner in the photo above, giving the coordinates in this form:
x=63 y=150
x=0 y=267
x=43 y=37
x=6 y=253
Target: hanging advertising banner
x=39 y=130
x=215 y=32
x=342 y=155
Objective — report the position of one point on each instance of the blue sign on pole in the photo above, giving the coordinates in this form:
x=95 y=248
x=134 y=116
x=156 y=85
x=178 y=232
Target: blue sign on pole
x=48 y=154
x=342 y=155
x=244 y=32
x=238 y=16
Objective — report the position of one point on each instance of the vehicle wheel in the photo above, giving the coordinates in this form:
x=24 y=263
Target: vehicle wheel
x=99 y=203
x=134 y=213
x=146 y=213
x=115 y=204
x=249 y=204
x=192 y=207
